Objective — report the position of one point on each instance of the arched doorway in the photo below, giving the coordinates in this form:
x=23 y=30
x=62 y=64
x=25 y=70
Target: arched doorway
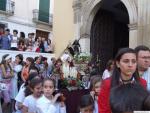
x=109 y=31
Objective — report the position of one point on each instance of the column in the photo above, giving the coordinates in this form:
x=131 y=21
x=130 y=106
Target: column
x=85 y=43
x=144 y=21
x=77 y=5
x=133 y=38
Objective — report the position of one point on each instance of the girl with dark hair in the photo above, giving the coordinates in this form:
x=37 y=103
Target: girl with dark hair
x=124 y=72
x=29 y=104
x=6 y=74
x=86 y=104
x=21 y=94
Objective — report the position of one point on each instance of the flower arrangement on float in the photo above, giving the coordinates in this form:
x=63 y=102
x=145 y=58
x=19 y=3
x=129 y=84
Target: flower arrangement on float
x=68 y=75
x=71 y=83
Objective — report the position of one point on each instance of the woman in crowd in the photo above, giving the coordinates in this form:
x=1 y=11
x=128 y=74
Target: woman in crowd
x=109 y=69
x=25 y=70
x=123 y=73
x=17 y=67
x=42 y=49
x=36 y=47
x=48 y=102
x=46 y=68
x=21 y=42
x=21 y=45
x=6 y=74
x=49 y=47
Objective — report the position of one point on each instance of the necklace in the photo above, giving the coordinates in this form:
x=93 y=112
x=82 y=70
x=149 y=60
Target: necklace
x=131 y=80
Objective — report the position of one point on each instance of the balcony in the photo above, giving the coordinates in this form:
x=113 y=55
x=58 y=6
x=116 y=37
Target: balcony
x=7 y=7
x=42 y=17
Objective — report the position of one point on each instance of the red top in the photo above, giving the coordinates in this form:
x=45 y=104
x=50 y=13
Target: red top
x=103 y=99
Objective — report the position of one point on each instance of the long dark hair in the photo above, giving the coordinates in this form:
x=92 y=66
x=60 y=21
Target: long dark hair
x=20 y=56
x=34 y=82
x=128 y=98
x=116 y=72
x=31 y=60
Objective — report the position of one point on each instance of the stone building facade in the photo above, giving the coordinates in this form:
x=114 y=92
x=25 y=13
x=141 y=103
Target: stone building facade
x=139 y=19
x=104 y=26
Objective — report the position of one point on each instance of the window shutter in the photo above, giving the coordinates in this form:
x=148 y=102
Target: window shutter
x=44 y=10
x=3 y=5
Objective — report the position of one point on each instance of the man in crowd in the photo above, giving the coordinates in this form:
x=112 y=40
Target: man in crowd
x=14 y=41
x=143 y=63
x=6 y=40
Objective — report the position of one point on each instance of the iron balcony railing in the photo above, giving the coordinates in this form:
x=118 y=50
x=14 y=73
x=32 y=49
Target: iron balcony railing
x=42 y=17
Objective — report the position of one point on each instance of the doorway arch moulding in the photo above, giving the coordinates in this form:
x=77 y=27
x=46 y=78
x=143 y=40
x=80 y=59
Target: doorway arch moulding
x=91 y=7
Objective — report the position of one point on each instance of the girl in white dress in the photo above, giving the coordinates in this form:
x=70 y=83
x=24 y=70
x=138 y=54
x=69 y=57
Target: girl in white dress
x=17 y=67
x=48 y=103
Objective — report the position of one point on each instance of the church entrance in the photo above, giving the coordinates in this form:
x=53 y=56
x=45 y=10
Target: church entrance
x=109 y=31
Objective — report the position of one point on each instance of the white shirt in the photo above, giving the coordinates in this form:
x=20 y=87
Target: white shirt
x=95 y=107
x=20 y=97
x=30 y=103
x=14 y=42
x=44 y=105
x=146 y=76
x=106 y=74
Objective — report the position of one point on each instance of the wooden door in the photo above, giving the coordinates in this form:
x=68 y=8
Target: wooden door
x=40 y=33
x=108 y=34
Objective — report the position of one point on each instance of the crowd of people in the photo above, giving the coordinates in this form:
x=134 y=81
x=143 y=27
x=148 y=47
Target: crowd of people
x=31 y=43
x=127 y=89
x=123 y=88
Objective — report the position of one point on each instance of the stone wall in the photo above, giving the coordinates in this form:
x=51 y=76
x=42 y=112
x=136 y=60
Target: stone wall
x=139 y=17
